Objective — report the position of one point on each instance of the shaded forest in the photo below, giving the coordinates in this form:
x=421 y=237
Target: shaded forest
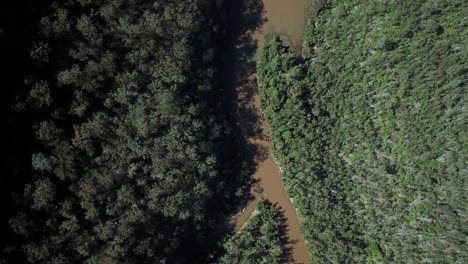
x=122 y=149
x=369 y=126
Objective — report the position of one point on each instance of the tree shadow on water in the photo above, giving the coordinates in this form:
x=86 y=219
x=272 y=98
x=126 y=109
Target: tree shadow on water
x=288 y=244
x=247 y=17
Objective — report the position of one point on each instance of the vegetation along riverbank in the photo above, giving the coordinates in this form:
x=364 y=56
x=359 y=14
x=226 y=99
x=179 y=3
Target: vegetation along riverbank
x=369 y=125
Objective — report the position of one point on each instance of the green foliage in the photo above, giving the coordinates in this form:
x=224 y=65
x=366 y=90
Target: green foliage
x=370 y=129
x=373 y=251
x=259 y=241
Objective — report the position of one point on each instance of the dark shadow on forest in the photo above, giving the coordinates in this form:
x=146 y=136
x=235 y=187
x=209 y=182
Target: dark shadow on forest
x=246 y=16
x=16 y=31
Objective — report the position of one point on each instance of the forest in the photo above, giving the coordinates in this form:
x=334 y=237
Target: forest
x=133 y=156
x=260 y=241
x=121 y=148
x=369 y=125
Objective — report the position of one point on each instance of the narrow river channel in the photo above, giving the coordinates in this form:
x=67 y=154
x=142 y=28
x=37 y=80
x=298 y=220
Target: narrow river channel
x=251 y=21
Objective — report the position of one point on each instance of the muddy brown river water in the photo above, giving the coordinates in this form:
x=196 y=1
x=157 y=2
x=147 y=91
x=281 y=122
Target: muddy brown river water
x=251 y=22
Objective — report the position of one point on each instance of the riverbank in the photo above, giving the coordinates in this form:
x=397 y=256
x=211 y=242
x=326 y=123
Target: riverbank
x=251 y=22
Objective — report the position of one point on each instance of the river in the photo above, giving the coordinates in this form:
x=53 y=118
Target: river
x=251 y=22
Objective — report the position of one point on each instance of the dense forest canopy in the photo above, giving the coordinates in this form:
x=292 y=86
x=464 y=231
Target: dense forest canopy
x=260 y=241
x=134 y=158
x=370 y=129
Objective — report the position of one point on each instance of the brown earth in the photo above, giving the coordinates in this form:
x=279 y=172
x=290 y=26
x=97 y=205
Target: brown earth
x=251 y=22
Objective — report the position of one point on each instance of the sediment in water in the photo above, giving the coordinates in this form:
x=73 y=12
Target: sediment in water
x=250 y=22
